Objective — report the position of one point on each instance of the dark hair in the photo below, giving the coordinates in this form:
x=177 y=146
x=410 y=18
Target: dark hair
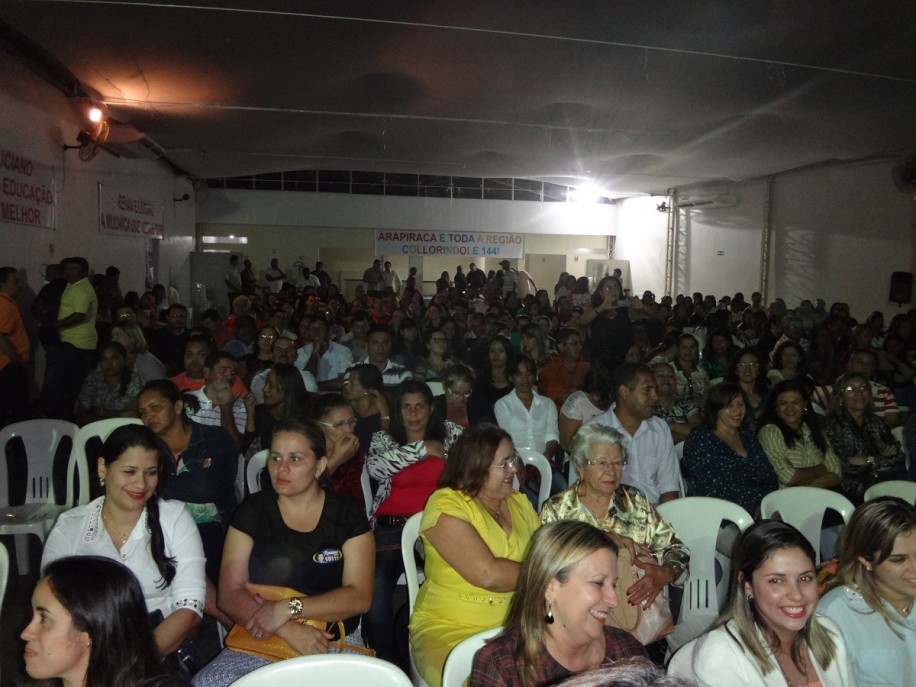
x=771 y=417
x=368 y=376
x=296 y=402
x=6 y=273
x=170 y=392
x=327 y=403
x=564 y=334
x=599 y=381
x=760 y=381
x=597 y=297
x=127 y=373
x=516 y=360
x=708 y=352
x=470 y=457
x=131 y=436
x=381 y=329
x=781 y=348
x=105 y=600
x=435 y=427
x=627 y=374
x=309 y=429
x=719 y=397
x=177 y=306
x=214 y=357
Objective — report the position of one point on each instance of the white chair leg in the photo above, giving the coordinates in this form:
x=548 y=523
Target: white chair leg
x=22 y=554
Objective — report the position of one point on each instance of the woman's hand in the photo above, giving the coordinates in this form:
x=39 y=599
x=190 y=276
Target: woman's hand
x=635 y=550
x=270 y=617
x=339 y=452
x=649 y=585
x=305 y=639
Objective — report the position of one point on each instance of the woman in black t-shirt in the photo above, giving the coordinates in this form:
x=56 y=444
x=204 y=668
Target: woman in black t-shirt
x=301 y=537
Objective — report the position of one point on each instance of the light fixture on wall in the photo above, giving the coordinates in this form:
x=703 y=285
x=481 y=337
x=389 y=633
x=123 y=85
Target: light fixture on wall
x=93 y=135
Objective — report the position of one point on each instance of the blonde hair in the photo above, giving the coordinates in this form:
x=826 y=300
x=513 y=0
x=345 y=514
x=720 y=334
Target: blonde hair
x=134 y=333
x=555 y=550
x=870 y=535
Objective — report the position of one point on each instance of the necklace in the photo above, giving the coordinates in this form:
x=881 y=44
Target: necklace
x=496 y=516
x=113 y=529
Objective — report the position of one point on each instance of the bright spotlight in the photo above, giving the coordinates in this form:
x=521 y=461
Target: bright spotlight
x=95 y=114
x=587 y=193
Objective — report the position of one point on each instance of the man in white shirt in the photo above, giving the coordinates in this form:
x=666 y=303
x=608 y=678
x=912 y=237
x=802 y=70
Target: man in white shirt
x=218 y=405
x=274 y=276
x=323 y=358
x=652 y=465
x=392 y=279
x=283 y=351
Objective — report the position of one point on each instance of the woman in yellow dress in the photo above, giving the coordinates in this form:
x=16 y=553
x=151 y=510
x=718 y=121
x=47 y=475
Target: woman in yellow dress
x=476 y=529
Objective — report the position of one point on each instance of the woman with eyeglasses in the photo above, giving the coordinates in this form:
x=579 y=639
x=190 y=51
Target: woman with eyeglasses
x=459 y=403
x=748 y=371
x=345 y=456
x=406 y=461
x=437 y=357
x=624 y=512
x=476 y=529
x=863 y=442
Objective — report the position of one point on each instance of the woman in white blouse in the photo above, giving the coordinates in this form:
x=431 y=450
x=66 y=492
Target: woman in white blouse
x=156 y=539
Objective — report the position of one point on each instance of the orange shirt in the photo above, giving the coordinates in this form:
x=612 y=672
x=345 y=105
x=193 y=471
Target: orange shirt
x=13 y=329
x=556 y=382
x=185 y=383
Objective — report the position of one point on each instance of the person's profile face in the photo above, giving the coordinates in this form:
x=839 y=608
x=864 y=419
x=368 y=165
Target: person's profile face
x=54 y=648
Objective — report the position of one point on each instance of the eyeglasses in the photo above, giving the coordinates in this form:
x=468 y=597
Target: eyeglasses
x=606 y=466
x=349 y=422
x=508 y=463
x=860 y=388
x=459 y=394
x=748 y=365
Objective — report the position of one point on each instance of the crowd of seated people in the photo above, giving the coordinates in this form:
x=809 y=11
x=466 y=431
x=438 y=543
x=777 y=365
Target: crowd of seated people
x=758 y=399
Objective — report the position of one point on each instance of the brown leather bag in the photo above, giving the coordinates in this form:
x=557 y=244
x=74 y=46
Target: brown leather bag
x=646 y=626
x=274 y=648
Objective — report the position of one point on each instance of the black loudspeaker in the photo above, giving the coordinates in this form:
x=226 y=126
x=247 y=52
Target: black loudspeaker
x=901 y=288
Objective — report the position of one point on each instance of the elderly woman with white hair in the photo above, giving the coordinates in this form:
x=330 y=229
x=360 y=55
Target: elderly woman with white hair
x=622 y=511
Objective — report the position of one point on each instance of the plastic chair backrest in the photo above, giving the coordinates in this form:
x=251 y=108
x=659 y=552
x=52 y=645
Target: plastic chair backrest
x=256 y=465
x=94 y=430
x=897 y=432
x=804 y=508
x=459 y=661
x=901 y=488
x=41 y=440
x=4 y=576
x=436 y=387
x=409 y=536
x=531 y=457
x=367 y=490
x=697 y=520
x=339 y=669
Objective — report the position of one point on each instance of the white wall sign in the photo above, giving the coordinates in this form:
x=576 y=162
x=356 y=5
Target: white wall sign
x=27 y=191
x=129 y=213
x=450 y=243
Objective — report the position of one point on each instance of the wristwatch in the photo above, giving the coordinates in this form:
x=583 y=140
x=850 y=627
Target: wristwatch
x=295 y=607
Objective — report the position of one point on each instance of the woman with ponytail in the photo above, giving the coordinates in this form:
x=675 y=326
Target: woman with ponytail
x=156 y=539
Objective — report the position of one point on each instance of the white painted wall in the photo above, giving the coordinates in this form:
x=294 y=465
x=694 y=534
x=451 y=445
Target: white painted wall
x=838 y=233
x=338 y=228
x=36 y=121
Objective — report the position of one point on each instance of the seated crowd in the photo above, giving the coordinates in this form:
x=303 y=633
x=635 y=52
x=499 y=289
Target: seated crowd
x=630 y=403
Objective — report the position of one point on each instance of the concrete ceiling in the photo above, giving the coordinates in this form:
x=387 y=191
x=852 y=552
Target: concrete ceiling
x=638 y=96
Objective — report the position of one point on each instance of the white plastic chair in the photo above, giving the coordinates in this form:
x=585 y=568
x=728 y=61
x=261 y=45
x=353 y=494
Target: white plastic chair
x=409 y=536
x=459 y=661
x=897 y=432
x=901 y=488
x=697 y=520
x=436 y=387
x=332 y=669
x=99 y=429
x=256 y=465
x=531 y=457
x=367 y=490
x=4 y=577
x=41 y=439
x=804 y=508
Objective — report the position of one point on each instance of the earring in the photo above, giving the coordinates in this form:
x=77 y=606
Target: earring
x=102 y=481
x=548 y=617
